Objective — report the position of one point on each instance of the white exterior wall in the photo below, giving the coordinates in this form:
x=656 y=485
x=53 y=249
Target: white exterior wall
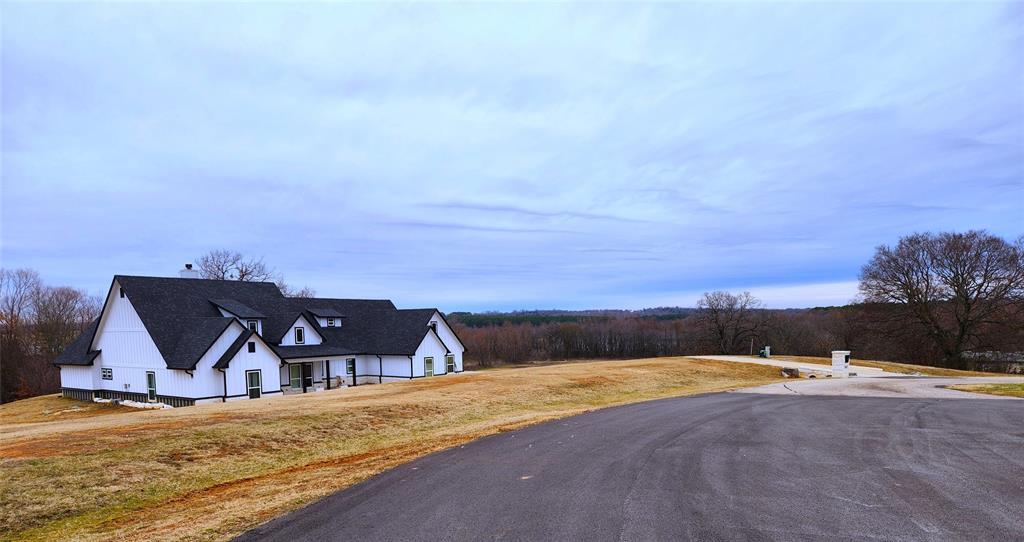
x=263 y=359
x=323 y=322
x=395 y=368
x=127 y=349
x=168 y=381
x=368 y=369
x=122 y=338
x=83 y=378
x=430 y=347
x=311 y=335
x=450 y=340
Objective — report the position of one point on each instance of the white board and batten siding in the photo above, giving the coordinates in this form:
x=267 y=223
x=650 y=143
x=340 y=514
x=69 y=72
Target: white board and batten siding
x=450 y=340
x=78 y=377
x=128 y=351
x=263 y=360
x=395 y=368
x=310 y=334
x=431 y=347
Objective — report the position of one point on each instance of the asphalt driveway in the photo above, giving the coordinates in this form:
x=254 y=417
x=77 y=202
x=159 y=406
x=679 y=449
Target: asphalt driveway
x=730 y=466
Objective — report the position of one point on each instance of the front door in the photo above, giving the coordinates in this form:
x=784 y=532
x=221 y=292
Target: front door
x=151 y=386
x=350 y=369
x=307 y=376
x=254 y=384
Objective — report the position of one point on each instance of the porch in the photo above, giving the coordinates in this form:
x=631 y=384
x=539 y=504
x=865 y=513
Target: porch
x=309 y=375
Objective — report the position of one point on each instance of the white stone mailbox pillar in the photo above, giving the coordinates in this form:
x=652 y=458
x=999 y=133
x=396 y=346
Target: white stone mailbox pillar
x=840 y=363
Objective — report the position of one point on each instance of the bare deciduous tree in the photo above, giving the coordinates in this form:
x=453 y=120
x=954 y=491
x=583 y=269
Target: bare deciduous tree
x=17 y=288
x=290 y=291
x=37 y=322
x=951 y=284
x=229 y=265
x=730 y=320
x=61 y=313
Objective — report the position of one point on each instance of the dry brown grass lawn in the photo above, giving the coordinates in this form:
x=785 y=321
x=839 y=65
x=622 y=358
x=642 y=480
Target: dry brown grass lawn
x=210 y=472
x=49 y=408
x=1009 y=390
x=892 y=366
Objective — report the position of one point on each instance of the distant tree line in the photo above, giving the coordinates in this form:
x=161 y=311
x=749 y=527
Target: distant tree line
x=935 y=299
x=37 y=322
x=930 y=299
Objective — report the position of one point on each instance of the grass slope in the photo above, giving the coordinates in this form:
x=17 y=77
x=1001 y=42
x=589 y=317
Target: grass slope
x=49 y=408
x=210 y=472
x=891 y=366
x=1009 y=390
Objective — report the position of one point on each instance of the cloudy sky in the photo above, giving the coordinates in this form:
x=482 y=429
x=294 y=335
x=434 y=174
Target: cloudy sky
x=513 y=156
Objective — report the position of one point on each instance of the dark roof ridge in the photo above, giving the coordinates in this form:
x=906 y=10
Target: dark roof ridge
x=342 y=299
x=196 y=279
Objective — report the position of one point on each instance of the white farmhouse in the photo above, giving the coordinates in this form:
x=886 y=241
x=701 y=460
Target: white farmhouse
x=183 y=341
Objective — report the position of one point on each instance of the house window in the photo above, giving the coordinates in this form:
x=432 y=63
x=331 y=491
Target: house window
x=252 y=347
x=330 y=322
x=120 y=291
x=253 y=325
x=428 y=366
x=300 y=335
x=449 y=362
x=151 y=386
x=295 y=376
x=107 y=374
x=254 y=383
x=433 y=325
x=350 y=366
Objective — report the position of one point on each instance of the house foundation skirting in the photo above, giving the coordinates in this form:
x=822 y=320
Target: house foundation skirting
x=89 y=395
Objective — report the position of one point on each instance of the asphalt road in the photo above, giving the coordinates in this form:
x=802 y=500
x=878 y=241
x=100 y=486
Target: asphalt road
x=731 y=466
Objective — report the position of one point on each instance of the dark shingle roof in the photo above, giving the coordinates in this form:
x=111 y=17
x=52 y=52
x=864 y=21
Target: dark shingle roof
x=314 y=351
x=238 y=309
x=183 y=318
x=326 y=312
x=386 y=332
x=179 y=315
x=406 y=331
x=78 y=353
x=196 y=336
x=225 y=359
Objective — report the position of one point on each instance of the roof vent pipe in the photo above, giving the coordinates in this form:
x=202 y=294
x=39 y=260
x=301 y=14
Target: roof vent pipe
x=188 y=272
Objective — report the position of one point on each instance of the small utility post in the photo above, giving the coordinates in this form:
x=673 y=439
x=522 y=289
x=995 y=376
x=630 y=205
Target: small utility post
x=751 y=346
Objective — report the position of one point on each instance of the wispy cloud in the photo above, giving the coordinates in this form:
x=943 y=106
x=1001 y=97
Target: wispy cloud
x=471 y=227
x=645 y=156
x=510 y=209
